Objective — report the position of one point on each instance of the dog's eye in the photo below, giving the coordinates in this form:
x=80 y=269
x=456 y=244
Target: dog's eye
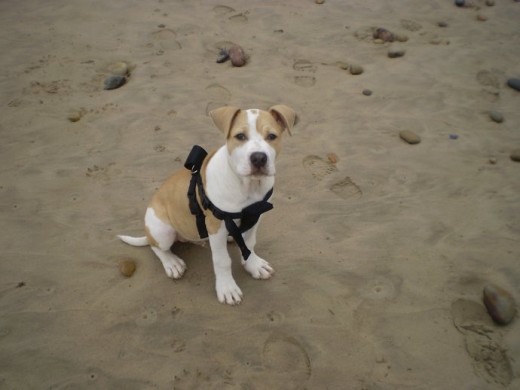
x=271 y=137
x=241 y=137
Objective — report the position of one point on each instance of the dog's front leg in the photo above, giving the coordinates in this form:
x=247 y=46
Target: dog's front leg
x=255 y=265
x=227 y=289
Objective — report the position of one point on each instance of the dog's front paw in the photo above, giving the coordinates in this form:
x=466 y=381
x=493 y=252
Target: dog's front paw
x=228 y=291
x=258 y=267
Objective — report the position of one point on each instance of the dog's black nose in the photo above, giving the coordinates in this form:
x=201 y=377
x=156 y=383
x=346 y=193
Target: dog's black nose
x=258 y=159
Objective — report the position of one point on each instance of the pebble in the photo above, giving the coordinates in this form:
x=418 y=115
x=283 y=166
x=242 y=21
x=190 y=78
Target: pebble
x=496 y=116
x=442 y=24
x=454 y=136
x=332 y=157
x=319 y=1
x=114 y=82
x=490 y=3
x=356 y=69
x=119 y=69
x=237 y=56
x=223 y=56
x=383 y=34
x=367 y=92
x=74 y=116
x=396 y=52
x=410 y=137
x=127 y=267
x=401 y=37
x=492 y=160
x=515 y=155
x=481 y=18
x=460 y=3
x=514 y=83
x=499 y=304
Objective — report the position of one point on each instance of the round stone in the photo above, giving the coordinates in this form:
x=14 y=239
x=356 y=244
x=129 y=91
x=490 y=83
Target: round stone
x=237 y=56
x=499 y=303
x=481 y=18
x=442 y=24
x=356 y=69
x=396 y=52
x=459 y=3
x=515 y=155
x=367 y=92
x=74 y=116
x=127 y=267
x=410 y=137
x=490 y=3
x=119 y=69
x=496 y=116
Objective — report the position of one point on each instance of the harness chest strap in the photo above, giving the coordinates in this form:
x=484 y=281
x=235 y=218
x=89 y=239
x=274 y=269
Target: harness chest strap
x=249 y=216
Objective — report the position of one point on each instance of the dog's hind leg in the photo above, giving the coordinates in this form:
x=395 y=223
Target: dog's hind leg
x=161 y=238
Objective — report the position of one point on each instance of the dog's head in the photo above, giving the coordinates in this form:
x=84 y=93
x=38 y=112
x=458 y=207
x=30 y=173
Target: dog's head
x=253 y=137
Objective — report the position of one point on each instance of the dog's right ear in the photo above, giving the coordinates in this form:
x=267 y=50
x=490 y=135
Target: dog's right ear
x=223 y=117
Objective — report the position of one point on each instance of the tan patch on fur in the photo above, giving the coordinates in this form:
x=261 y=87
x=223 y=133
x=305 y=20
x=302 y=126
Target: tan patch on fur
x=171 y=205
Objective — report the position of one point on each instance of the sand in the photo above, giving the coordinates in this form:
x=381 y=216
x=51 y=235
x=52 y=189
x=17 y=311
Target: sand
x=380 y=258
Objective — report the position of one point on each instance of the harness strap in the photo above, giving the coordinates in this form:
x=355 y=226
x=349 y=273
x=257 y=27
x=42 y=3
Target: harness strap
x=249 y=216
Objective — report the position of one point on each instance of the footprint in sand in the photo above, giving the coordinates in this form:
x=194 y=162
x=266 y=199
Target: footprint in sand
x=217 y=95
x=285 y=355
x=318 y=167
x=381 y=287
x=482 y=341
x=305 y=68
x=103 y=173
x=346 y=189
x=165 y=38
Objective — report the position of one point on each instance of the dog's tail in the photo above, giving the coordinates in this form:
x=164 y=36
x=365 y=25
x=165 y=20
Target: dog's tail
x=135 y=241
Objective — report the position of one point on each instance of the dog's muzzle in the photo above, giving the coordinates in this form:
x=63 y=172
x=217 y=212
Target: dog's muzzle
x=258 y=162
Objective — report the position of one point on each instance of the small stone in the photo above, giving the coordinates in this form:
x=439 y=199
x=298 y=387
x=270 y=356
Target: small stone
x=237 y=56
x=114 y=82
x=481 y=18
x=223 y=56
x=514 y=83
x=356 y=69
x=410 y=137
x=367 y=92
x=332 y=157
x=492 y=160
x=319 y=1
x=515 y=155
x=119 y=69
x=496 y=116
x=401 y=37
x=460 y=3
x=396 y=52
x=383 y=34
x=127 y=267
x=342 y=65
x=499 y=304
x=74 y=116
x=490 y=3
x=442 y=24
x=454 y=136
x=162 y=25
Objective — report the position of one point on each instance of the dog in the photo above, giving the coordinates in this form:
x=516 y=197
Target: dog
x=218 y=195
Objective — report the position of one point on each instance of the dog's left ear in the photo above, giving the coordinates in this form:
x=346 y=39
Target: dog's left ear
x=284 y=115
x=223 y=117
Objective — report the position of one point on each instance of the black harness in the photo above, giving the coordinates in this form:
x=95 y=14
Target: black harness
x=248 y=216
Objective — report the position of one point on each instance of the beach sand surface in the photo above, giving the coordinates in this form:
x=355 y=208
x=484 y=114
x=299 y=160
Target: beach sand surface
x=381 y=248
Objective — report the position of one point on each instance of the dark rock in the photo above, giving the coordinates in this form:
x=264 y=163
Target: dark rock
x=514 y=83
x=460 y=3
x=127 y=267
x=114 y=82
x=496 y=116
x=237 y=56
x=383 y=34
x=223 y=56
x=367 y=92
x=515 y=155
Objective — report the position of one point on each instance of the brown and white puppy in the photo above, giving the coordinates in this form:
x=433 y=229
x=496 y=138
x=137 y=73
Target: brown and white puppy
x=238 y=174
